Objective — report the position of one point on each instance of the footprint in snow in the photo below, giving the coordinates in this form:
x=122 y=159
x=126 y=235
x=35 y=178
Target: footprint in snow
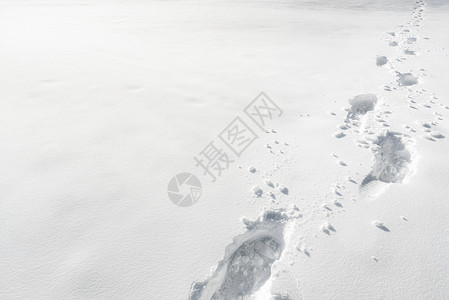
x=246 y=265
x=393 y=157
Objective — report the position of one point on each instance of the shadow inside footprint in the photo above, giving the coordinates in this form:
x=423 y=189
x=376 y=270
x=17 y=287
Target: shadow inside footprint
x=249 y=268
x=247 y=263
x=392 y=160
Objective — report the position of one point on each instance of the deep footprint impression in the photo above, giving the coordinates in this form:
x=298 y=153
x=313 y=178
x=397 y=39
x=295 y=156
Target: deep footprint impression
x=392 y=159
x=247 y=263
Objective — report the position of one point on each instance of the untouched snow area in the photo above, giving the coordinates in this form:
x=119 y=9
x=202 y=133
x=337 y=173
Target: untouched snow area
x=342 y=194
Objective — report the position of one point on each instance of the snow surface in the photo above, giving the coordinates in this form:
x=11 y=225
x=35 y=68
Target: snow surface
x=344 y=196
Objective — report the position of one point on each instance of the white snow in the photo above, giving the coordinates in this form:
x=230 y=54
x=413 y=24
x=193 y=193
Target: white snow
x=104 y=102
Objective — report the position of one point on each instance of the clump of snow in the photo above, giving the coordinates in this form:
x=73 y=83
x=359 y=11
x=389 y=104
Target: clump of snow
x=326 y=207
x=283 y=189
x=411 y=40
x=337 y=203
x=257 y=191
x=343 y=126
x=393 y=44
x=326 y=227
x=407 y=79
x=278 y=296
x=252 y=169
x=303 y=249
x=409 y=52
x=380 y=225
x=361 y=104
x=269 y=183
x=381 y=60
x=437 y=135
x=339 y=135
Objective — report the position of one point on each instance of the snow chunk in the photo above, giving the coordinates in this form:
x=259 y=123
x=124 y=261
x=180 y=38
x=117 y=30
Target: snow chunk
x=257 y=191
x=339 y=135
x=269 y=183
x=380 y=225
x=381 y=60
x=393 y=44
x=283 y=189
x=407 y=79
x=361 y=104
x=437 y=135
x=327 y=228
x=252 y=169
